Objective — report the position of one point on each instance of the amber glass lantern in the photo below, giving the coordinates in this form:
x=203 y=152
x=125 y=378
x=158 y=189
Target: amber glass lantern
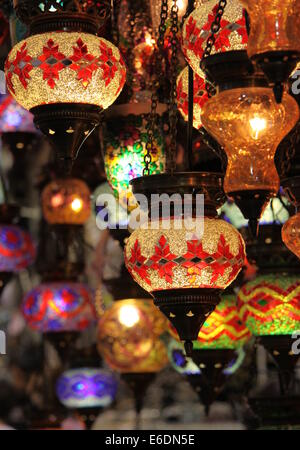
x=126 y=335
x=274 y=40
x=66 y=201
x=250 y=125
x=291 y=228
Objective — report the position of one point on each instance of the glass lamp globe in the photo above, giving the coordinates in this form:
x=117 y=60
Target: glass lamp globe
x=162 y=259
x=127 y=332
x=39 y=68
x=125 y=143
x=291 y=234
x=59 y=307
x=270 y=305
x=155 y=362
x=86 y=388
x=250 y=125
x=200 y=96
x=196 y=30
x=17 y=250
x=66 y=201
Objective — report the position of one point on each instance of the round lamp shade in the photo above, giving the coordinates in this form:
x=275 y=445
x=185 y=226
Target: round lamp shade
x=270 y=305
x=86 y=388
x=125 y=142
x=127 y=332
x=65 y=67
x=200 y=96
x=197 y=28
x=161 y=259
x=155 y=362
x=223 y=329
x=17 y=250
x=66 y=201
x=14 y=118
x=59 y=307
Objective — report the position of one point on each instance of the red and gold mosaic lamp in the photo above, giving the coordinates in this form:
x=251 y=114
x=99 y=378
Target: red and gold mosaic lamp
x=200 y=95
x=39 y=68
x=197 y=28
x=184 y=271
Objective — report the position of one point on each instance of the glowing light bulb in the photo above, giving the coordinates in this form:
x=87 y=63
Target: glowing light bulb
x=258 y=124
x=129 y=316
x=181 y=4
x=77 y=205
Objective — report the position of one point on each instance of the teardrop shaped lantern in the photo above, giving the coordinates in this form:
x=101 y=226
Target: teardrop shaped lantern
x=246 y=120
x=39 y=68
x=291 y=228
x=184 y=269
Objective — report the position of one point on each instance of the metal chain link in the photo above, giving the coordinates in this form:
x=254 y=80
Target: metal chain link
x=173 y=112
x=152 y=117
x=214 y=29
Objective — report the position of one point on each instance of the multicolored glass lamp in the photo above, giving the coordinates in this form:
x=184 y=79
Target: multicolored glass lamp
x=222 y=334
x=269 y=304
x=183 y=269
x=17 y=250
x=274 y=39
x=63 y=49
x=125 y=143
x=60 y=310
x=88 y=391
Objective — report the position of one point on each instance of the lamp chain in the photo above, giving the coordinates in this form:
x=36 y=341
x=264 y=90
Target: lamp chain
x=155 y=87
x=214 y=29
x=173 y=116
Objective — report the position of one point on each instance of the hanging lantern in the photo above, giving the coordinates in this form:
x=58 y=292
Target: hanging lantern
x=250 y=125
x=39 y=68
x=200 y=96
x=197 y=28
x=126 y=333
x=66 y=201
x=17 y=250
x=291 y=228
x=86 y=388
x=223 y=329
x=183 y=271
x=216 y=367
x=125 y=143
x=59 y=307
x=14 y=118
x=274 y=39
x=270 y=307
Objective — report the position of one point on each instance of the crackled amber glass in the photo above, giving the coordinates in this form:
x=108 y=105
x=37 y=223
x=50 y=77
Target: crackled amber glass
x=291 y=234
x=275 y=25
x=249 y=124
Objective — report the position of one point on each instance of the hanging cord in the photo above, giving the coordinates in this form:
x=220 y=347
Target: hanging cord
x=214 y=29
x=173 y=117
x=152 y=117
